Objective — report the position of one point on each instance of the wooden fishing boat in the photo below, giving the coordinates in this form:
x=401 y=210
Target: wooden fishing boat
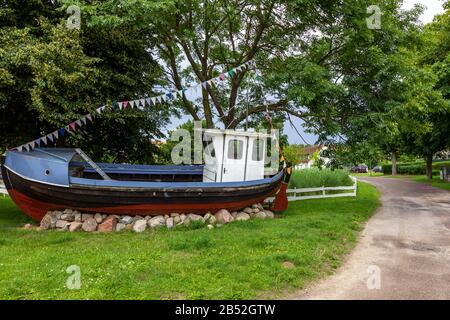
x=47 y=179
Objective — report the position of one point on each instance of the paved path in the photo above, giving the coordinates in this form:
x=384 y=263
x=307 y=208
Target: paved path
x=407 y=240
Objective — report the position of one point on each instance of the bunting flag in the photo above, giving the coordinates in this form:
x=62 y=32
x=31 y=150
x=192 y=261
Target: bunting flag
x=138 y=103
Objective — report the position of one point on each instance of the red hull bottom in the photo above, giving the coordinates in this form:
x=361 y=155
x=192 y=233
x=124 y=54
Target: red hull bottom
x=37 y=209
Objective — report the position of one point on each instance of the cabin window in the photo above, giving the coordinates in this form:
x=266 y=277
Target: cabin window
x=258 y=148
x=235 y=149
x=208 y=145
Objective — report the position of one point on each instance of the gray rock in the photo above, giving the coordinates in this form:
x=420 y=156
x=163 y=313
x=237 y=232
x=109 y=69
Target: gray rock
x=223 y=216
x=157 y=221
x=77 y=217
x=242 y=216
x=62 y=224
x=255 y=206
x=176 y=220
x=260 y=206
x=269 y=214
x=104 y=216
x=148 y=217
x=174 y=214
x=256 y=210
x=212 y=220
x=210 y=226
x=98 y=217
x=75 y=226
x=170 y=223
x=137 y=218
x=260 y=215
x=166 y=216
x=234 y=214
x=58 y=214
x=126 y=220
x=28 y=226
x=89 y=225
x=86 y=216
x=140 y=225
x=46 y=222
x=194 y=217
x=248 y=210
x=120 y=226
x=183 y=218
x=68 y=217
x=68 y=211
x=207 y=216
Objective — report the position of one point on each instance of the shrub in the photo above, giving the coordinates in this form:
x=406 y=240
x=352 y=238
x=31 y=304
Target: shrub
x=313 y=178
x=414 y=168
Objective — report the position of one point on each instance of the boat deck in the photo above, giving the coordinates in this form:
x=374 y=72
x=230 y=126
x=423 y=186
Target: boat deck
x=132 y=172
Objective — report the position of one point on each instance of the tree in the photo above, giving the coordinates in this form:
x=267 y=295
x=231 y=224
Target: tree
x=51 y=75
x=294 y=153
x=425 y=118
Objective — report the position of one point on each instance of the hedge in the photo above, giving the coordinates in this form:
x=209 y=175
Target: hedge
x=414 y=168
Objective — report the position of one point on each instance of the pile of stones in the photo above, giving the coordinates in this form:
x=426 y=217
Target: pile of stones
x=72 y=220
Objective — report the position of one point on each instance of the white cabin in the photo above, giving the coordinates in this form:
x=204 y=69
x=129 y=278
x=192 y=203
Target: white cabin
x=233 y=155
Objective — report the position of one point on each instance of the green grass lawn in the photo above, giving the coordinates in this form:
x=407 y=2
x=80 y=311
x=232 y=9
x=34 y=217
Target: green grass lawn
x=241 y=260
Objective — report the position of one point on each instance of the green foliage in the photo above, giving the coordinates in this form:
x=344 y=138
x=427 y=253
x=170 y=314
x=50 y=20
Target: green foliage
x=242 y=260
x=51 y=75
x=415 y=168
x=312 y=178
x=294 y=153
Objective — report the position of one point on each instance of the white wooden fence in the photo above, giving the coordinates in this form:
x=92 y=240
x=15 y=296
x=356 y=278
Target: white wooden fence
x=302 y=193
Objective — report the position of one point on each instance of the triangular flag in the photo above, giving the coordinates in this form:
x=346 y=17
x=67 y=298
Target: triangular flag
x=61 y=132
x=142 y=102
x=231 y=72
x=27 y=147
x=132 y=102
x=120 y=105
x=89 y=117
x=50 y=137
x=72 y=126
x=44 y=140
x=20 y=148
x=222 y=77
x=153 y=100
x=204 y=84
x=114 y=105
x=78 y=122
x=84 y=120
x=36 y=143
x=125 y=104
x=100 y=110
x=169 y=95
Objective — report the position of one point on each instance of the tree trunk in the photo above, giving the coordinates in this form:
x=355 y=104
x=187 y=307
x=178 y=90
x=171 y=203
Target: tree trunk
x=394 y=163
x=429 y=161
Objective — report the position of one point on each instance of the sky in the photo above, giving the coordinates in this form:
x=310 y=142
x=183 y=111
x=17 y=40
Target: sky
x=432 y=7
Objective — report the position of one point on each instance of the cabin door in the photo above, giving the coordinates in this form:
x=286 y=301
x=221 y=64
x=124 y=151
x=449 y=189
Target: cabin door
x=234 y=158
